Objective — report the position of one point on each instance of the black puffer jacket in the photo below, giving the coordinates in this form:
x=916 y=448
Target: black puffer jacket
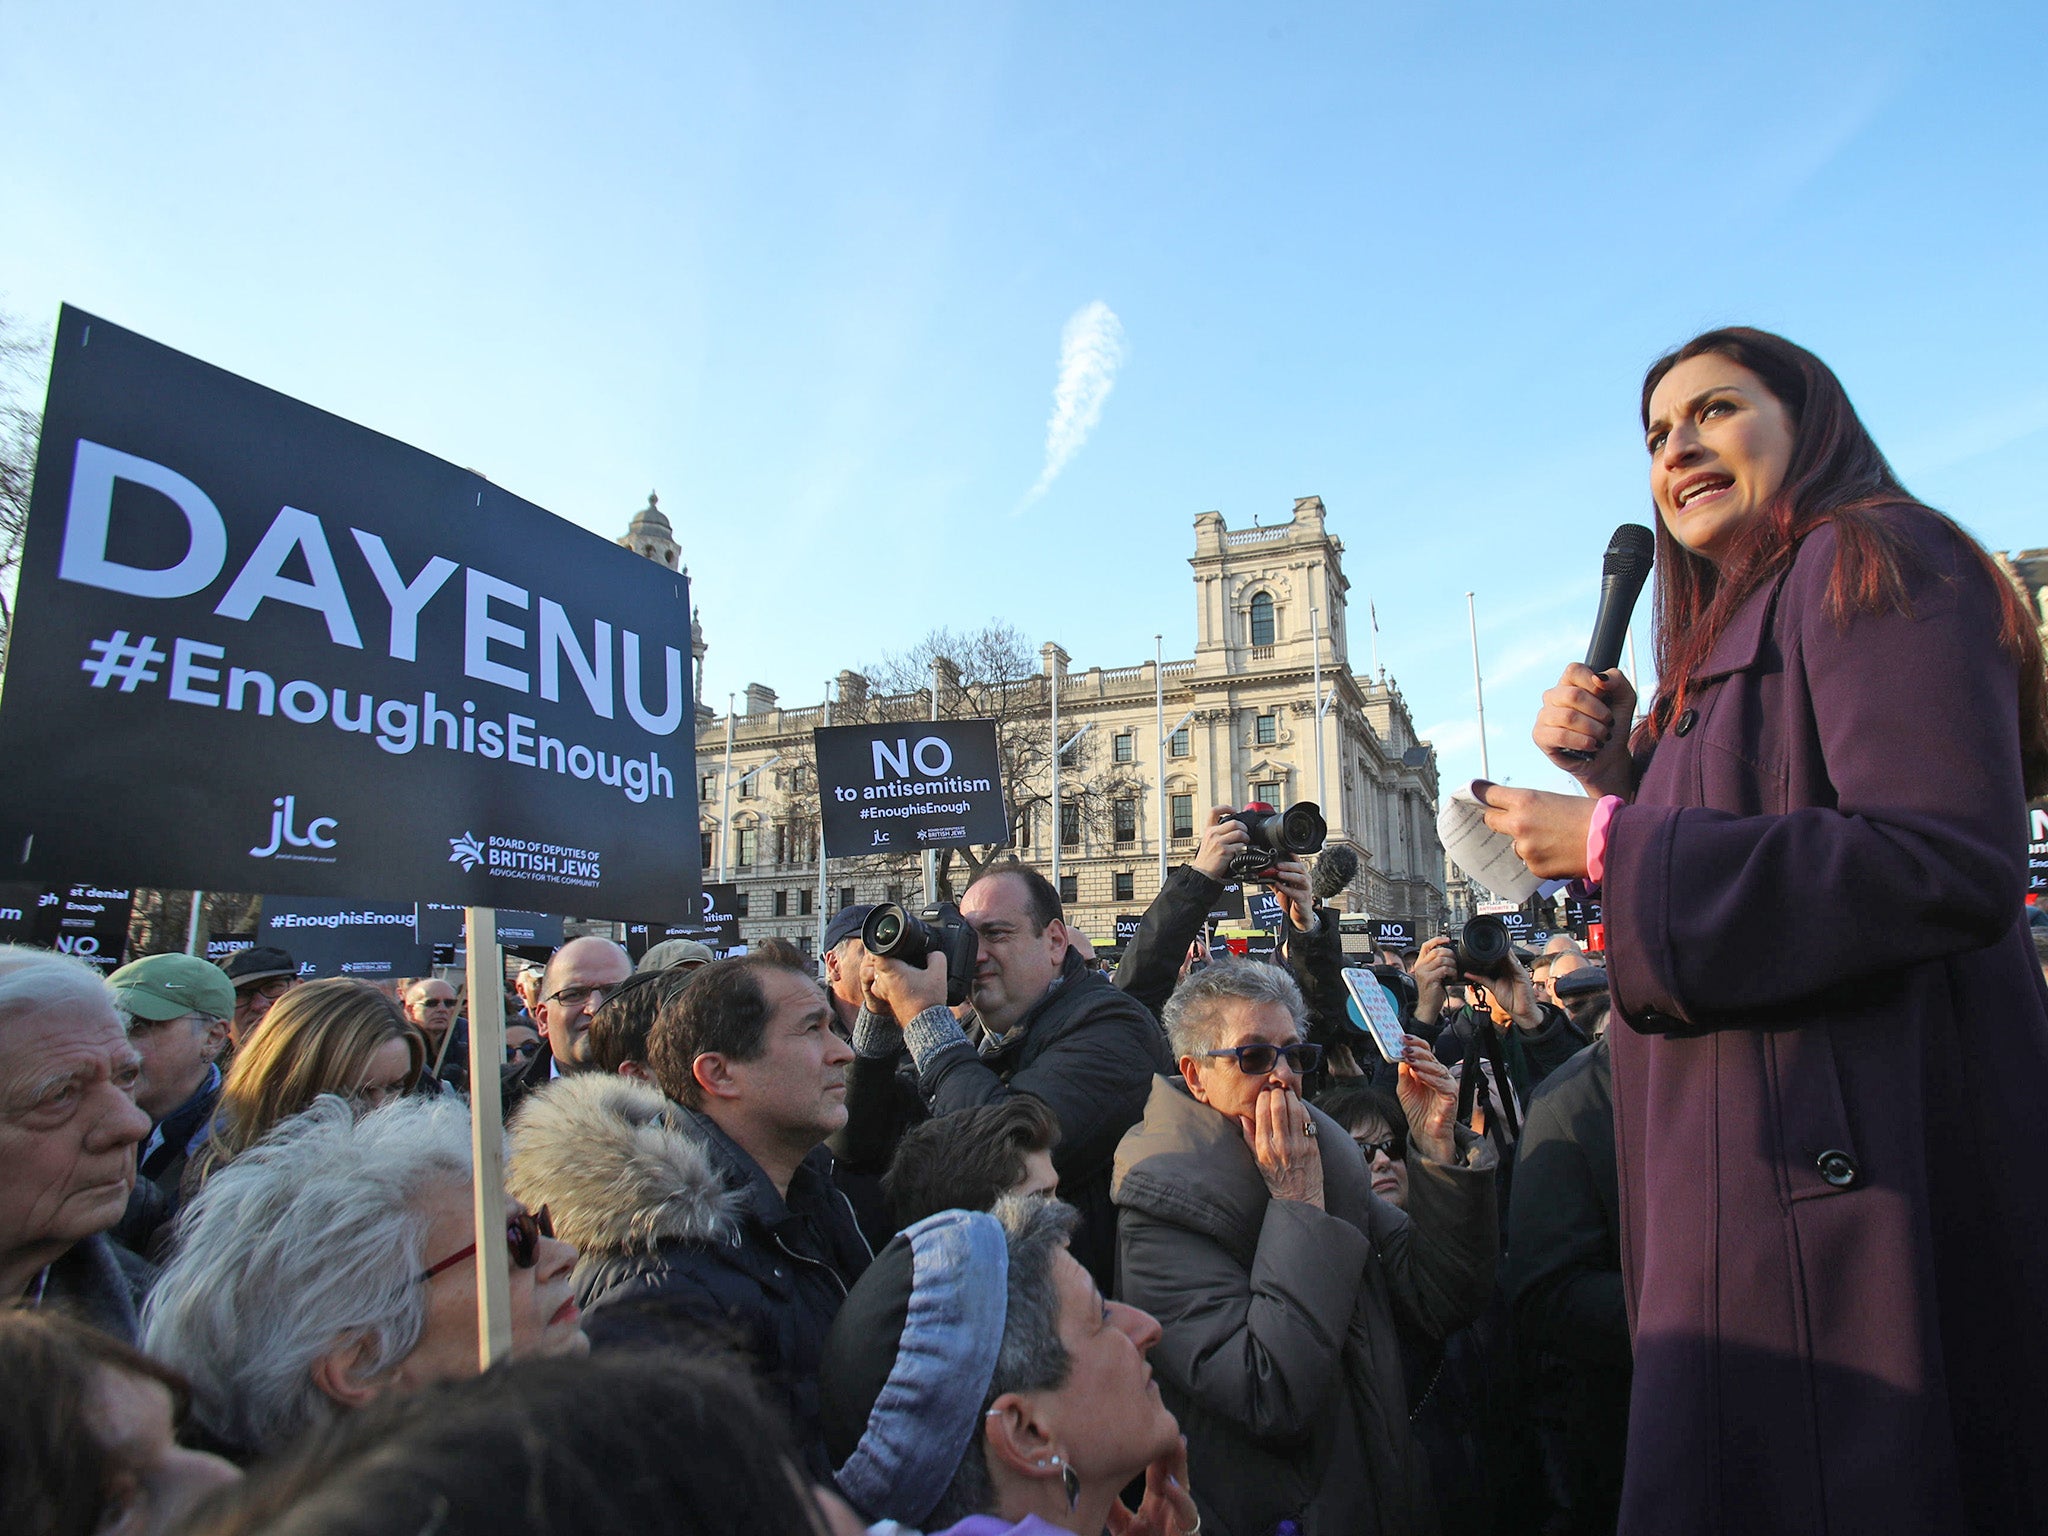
x=1085 y=1049
x=683 y=1235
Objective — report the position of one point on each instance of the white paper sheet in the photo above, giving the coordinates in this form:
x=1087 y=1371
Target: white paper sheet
x=1486 y=855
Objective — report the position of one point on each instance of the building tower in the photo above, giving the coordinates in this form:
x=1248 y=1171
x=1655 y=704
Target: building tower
x=649 y=534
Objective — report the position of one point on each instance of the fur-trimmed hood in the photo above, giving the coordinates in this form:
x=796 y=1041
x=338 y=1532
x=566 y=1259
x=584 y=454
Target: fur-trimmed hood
x=619 y=1166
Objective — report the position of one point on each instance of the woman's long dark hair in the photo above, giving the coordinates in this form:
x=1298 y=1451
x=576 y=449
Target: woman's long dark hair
x=1836 y=475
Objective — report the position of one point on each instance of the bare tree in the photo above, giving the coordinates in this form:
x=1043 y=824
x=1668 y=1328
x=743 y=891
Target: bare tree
x=23 y=363
x=991 y=674
x=159 y=920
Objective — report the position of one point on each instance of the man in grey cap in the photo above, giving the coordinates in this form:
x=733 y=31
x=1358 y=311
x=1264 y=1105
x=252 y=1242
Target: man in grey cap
x=676 y=955
x=260 y=976
x=178 y=1008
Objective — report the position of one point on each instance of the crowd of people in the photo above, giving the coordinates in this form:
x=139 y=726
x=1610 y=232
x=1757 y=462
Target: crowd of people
x=1049 y=1255
x=802 y=1248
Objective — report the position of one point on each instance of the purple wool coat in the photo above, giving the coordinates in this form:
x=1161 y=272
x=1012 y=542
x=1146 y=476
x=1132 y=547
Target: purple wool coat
x=1831 y=1077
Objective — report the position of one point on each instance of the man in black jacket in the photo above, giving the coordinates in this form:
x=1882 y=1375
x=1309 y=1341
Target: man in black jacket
x=710 y=1211
x=1536 y=1037
x=580 y=976
x=1042 y=1024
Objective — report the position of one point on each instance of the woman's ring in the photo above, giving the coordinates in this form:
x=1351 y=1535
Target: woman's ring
x=1308 y=1129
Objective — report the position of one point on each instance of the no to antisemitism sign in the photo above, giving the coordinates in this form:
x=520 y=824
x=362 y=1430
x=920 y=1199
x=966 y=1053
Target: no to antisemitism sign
x=258 y=646
x=906 y=787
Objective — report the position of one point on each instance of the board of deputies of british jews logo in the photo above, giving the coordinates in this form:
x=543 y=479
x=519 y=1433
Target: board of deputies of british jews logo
x=523 y=858
x=287 y=833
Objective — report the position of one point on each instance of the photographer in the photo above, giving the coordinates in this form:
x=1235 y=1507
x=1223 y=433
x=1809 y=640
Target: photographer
x=1041 y=1023
x=1536 y=1038
x=1309 y=941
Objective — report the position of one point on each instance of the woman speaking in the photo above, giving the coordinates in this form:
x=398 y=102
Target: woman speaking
x=1833 y=1062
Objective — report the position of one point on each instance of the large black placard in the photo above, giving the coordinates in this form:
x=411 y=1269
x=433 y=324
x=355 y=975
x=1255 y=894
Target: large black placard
x=257 y=645
x=910 y=786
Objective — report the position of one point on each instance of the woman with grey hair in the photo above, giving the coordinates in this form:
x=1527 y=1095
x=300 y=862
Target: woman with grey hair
x=334 y=1263
x=1247 y=1224
x=976 y=1380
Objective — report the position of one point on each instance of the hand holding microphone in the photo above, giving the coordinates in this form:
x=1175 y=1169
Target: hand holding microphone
x=1585 y=721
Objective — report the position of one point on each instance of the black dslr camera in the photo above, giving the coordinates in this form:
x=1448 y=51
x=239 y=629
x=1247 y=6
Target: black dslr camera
x=1398 y=982
x=1484 y=947
x=1276 y=835
x=895 y=933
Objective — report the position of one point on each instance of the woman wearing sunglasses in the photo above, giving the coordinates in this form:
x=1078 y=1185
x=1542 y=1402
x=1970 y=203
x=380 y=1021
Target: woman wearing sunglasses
x=1248 y=1226
x=335 y=1263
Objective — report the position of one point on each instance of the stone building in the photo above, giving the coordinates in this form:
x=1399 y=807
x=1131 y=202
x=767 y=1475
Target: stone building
x=1270 y=605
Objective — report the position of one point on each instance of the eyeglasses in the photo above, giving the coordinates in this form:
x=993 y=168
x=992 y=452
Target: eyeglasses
x=264 y=991
x=1394 y=1145
x=523 y=1232
x=437 y=1002
x=1257 y=1060
x=580 y=997
x=522 y=1051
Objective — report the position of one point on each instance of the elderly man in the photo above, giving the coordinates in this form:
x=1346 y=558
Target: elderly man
x=582 y=974
x=178 y=1008
x=1043 y=1024
x=430 y=1006
x=69 y=1127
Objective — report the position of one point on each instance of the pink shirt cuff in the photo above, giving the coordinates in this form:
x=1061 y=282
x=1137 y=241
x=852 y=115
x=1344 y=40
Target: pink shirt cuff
x=1596 y=837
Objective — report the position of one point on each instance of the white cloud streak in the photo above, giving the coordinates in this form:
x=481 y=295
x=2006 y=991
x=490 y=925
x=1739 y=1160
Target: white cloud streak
x=1091 y=351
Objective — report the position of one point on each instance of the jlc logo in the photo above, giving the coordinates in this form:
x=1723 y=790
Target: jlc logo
x=283 y=833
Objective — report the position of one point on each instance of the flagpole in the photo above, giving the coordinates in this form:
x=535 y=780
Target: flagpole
x=1478 y=689
x=823 y=891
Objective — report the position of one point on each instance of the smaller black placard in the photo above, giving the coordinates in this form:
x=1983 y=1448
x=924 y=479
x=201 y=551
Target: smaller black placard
x=906 y=787
x=719 y=927
x=365 y=939
x=1228 y=907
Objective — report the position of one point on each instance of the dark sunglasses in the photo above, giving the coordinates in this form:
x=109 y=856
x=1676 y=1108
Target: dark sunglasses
x=1257 y=1060
x=523 y=1051
x=1395 y=1145
x=523 y=1232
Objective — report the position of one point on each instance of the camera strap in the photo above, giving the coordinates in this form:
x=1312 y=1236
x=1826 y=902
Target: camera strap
x=1483 y=1044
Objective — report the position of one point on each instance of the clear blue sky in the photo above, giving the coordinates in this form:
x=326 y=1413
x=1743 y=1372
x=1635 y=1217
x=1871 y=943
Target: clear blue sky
x=805 y=269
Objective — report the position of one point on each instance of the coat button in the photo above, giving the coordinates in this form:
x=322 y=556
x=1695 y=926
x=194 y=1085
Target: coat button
x=1686 y=722
x=1838 y=1168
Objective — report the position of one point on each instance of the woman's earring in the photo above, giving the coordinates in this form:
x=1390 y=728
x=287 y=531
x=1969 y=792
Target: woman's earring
x=1072 y=1480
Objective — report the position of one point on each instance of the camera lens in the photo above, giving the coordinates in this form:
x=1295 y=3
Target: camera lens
x=1483 y=946
x=1302 y=828
x=888 y=929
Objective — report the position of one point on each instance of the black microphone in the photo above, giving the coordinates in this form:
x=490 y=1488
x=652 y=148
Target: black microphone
x=1337 y=868
x=1622 y=574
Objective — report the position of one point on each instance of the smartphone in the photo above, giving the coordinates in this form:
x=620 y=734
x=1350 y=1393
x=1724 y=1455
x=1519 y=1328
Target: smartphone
x=1372 y=1010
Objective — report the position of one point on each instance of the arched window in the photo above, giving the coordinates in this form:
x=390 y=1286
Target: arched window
x=1262 y=618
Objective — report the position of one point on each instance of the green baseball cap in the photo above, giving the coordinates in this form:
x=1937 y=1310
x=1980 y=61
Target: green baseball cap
x=161 y=987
